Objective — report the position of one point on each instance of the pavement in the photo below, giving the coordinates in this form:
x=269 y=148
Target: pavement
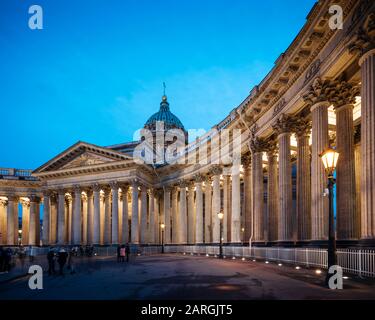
x=178 y=277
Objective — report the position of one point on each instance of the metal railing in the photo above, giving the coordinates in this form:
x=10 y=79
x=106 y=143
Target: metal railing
x=353 y=261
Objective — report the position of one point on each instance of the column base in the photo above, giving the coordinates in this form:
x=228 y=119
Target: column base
x=318 y=244
x=285 y=244
x=348 y=243
x=366 y=243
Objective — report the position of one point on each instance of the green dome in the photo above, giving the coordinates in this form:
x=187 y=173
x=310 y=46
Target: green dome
x=166 y=116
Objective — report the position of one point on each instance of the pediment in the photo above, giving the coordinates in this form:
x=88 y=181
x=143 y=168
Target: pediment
x=83 y=154
x=86 y=159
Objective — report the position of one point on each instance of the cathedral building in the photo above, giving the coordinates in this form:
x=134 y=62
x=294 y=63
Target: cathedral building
x=320 y=93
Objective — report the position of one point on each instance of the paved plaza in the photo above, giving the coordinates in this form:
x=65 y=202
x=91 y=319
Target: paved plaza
x=174 y=277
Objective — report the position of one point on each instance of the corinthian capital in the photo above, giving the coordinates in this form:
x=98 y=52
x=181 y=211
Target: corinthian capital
x=343 y=93
x=257 y=145
x=216 y=170
x=198 y=178
x=302 y=127
x=284 y=124
x=364 y=40
x=317 y=92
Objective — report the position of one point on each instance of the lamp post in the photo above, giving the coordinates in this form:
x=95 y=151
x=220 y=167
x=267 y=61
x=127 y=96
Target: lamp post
x=162 y=226
x=330 y=158
x=221 y=216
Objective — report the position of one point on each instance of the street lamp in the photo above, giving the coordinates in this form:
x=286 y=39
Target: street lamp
x=330 y=158
x=221 y=216
x=162 y=226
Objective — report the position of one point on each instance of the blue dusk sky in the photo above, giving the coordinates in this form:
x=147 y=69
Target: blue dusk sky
x=95 y=72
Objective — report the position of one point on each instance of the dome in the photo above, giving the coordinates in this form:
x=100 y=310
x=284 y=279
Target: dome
x=166 y=116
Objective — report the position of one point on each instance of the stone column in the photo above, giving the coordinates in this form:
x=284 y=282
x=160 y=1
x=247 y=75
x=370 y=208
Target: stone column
x=343 y=98
x=175 y=226
x=46 y=218
x=61 y=217
x=182 y=215
x=257 y=146
x=227 y=209
x=53 y=218
x=167 y=215
x=125 y=214
x=358 y=171
x=199 y=231
x=317 y=98
x=236 y=205
x=34 y=220
x=90 y=217
x=84 y=219
x=69 y=218
x=102 y=217
x=12 y=222
x=246 y=163
x=151 y=224
x=77 y=218
x=208 y=211
x=367 y=63
x=363 y=45
x=135 y=210
x=157 y=195
x=96 y=218
x=273 y=193
x=216 y=203
x=3 y=221
x=286 y=222
x=191 y=214
x=25 y=221
x=107 y=216
x=115 y=218
x=303 y=204
x=143 y=214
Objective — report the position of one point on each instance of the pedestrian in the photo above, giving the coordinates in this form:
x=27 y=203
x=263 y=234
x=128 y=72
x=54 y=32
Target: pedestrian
x=22 y=255
x=2 y=258
x=122 y=253
x=8 y=259
x=127 y=250
x=51 y=261
x=61 y=259
x=70 y=261
x=31 y=254
x=119 y=253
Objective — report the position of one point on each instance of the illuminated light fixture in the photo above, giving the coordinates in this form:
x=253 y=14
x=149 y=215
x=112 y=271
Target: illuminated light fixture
x=243 y=259
x=254 y=260
x=298 y=267
x=318 y=271
x=280 y=265
x=345 y=277
x=330 y=158
x=207 y=255
x=233 y=258
x=267 y=262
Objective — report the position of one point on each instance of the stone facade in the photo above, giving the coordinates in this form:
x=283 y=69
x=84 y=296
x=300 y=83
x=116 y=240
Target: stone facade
x=322 y=86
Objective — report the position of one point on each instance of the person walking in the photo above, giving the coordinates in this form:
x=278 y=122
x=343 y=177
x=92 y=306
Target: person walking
x=61 y=259
x=127 y=250
x=122 y=253
x=31 y=254
x=70 y=261
x=2 y=258
x=8 y=259
x=51 y=261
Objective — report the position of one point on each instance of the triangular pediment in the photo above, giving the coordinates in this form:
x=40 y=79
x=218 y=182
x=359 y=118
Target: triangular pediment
x=82 y=154
x=87 y=159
